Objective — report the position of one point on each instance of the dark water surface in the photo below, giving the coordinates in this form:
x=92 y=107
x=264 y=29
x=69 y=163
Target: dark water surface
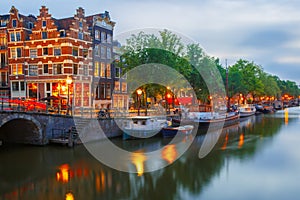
x=256 y=159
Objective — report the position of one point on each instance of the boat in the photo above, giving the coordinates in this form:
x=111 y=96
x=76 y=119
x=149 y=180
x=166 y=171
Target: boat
x=172 y=131
x=212 y=119
x=142 y=126
x=247 y=110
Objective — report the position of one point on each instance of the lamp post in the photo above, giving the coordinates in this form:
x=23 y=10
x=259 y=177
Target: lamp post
x=139 y=92
x=69 y=82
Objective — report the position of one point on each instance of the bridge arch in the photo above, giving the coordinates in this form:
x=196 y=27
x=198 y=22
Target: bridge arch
x=21 y=128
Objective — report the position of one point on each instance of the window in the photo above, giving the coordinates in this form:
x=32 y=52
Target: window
x=97 y=35
x=45 y=69
x=85 y=52
x=30 y=25
x=14 y=23
x=17 y=69
x=75 y=69
x=22 y=84
x=44 y=35
x=80 y=25
x=124 y=87
x=102 y=70
x=117 y=86
x=117 y=70
x=109 y=38
x=80 y=35
x=108 y=71
x=45 y=51
x=75 y=51
x=15 y=86
x=13 y=53
x=108 y=53
x=44 y=23
x=103 y=52
x=96 y=50
x=18 y=36
x=16 y=52
x=85 y=70
x=96 y=71
x=103 y=37
x=57 y=51
x=15 y=36
x=33 y=70
x=19 y=52
x=108 y=91
x=62 y=33
x=33 y=53
x=57 y=69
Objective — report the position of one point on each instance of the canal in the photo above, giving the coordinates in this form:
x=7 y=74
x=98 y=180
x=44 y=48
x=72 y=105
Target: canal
x=256 y=159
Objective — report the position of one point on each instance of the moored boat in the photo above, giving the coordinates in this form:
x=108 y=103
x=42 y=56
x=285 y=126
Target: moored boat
x=172 y=131
x=212 y=119
x=247 y=110
x=142 y=126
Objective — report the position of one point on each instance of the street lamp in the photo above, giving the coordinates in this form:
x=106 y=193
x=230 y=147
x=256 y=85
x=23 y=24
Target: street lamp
x=139 y=92
x=69 y=82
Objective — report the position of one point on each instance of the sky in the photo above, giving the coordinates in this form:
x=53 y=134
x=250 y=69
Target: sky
x=263 y=31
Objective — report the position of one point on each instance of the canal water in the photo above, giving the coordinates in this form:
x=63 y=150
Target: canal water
x=257 y=159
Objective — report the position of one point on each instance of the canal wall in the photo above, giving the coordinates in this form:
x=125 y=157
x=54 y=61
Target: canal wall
x=40 y=128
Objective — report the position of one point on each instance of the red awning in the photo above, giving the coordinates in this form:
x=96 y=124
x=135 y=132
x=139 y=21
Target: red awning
x=185 y=100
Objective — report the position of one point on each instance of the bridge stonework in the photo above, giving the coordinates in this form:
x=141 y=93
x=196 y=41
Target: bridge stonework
x=39 y=128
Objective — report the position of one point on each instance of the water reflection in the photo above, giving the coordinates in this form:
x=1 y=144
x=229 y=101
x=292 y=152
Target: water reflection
x=60 y=173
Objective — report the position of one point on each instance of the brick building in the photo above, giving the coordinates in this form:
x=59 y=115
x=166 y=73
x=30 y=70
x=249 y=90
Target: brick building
x=70 y=57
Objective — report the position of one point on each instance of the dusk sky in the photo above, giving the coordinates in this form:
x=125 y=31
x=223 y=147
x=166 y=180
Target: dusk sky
x=266 y=32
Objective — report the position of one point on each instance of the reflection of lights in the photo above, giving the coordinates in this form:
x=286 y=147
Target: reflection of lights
x=241 y=141
x=225 y=142
x=100 y=182
x=69 y=196
x=286 y=116
x=63 y=174
x=138 y=160
x=169 y=153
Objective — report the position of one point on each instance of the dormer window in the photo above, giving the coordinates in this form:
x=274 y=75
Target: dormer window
x=44 y=23
x=14 y=23
x=62 y=33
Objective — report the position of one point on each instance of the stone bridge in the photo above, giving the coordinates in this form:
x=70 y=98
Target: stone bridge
x=38 y=128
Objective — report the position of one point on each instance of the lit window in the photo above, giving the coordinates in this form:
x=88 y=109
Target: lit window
x=102 y=70
x=96 y=71
x=117 y=86
x=108 y=71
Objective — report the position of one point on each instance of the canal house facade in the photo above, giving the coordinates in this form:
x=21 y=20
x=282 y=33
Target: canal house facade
x=4 y=86
x=70 y=58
